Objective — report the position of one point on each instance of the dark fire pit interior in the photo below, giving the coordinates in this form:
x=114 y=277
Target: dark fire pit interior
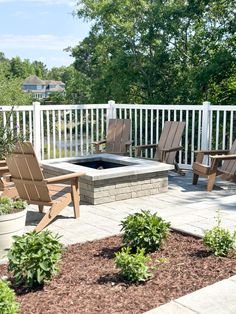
x=98 y=164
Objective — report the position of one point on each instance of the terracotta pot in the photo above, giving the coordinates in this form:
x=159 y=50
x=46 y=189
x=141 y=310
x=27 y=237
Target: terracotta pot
x=10 y=225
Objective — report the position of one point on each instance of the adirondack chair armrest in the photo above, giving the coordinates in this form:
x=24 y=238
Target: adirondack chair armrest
x=127 y=144
x=201 y=153
x=211 y=152
x=173 y=149
x=99 y=142
x=139 y=148
x=64 y=177
x=97 y=145
x=223 y=157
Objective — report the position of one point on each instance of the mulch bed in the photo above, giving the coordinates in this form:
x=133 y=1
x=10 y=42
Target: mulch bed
x=90 y=283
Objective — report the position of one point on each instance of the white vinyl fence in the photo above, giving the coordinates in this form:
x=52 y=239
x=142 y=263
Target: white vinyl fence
x=68 y=130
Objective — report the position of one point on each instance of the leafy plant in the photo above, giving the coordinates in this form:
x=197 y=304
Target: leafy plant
x=133 y=267
x=33 y=257
x=219 y=240
x=9 y=135
x=8 y=304
x=8 y=205
x=144 y=230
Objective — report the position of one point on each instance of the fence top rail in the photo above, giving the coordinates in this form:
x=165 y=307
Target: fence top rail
x=74 y=107
x=16 y=108
x=161 y=107
x=222 y=108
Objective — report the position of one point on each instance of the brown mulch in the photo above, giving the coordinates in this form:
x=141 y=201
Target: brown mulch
x=89 y=282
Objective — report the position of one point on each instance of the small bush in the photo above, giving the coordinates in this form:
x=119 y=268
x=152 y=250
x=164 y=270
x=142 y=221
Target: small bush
x=144 y=230
x=8 y=205
x=8 y=304
x=34 y=257
x=133 y=267
x=219 y=240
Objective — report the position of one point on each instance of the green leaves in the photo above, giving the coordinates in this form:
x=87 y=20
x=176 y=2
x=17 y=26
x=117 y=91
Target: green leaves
x=143 y=233
x=8 y=304
x=219 y=240
x=134 y=267
x=9 y=135
x=158 y=51
x=7 y=205
x=144 y=230
x=34 y=257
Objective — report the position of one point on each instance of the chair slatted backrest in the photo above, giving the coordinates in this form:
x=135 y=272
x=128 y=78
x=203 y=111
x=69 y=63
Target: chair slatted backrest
x=118 y=135
x=170 y=137
x=27 y=175
x=229 y=166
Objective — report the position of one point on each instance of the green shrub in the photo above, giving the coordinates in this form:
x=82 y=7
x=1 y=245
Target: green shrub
x=144 y=230
x=8 y=304
x=133 y=267
x=8 y=205
x=219 y=240
x=34 y=257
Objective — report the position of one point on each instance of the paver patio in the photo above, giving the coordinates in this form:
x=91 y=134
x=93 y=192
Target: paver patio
x=189 y=208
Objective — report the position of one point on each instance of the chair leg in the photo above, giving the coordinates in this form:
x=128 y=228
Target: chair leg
x=40 y=208
x=211 y=181
x=195 y=178
x=75 y=197
x=53 y=212
x=178 y=170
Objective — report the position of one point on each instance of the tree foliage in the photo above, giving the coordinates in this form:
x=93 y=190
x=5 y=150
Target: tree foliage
x=161 y=51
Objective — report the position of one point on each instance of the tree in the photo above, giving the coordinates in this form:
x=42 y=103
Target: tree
x=11 y=92
x=39 y=69
x=157 y=51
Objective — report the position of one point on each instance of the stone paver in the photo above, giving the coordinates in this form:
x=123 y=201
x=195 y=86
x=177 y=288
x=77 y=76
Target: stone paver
x=189 y=208
x=171 y=308
x=218 y=298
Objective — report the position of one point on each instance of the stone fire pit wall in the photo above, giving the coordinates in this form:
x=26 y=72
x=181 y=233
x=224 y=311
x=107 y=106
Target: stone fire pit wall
x=139 y=177
x=110 y=190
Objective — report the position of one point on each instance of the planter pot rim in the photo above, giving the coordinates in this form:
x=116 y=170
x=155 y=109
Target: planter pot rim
x=13 y=215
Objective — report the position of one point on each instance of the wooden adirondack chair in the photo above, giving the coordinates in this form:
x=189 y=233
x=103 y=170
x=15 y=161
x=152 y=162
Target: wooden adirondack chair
x=6 y=186
x=227 y=170
x=168 y=144
x=32 y=187
x=118 y=137
x=3 y=170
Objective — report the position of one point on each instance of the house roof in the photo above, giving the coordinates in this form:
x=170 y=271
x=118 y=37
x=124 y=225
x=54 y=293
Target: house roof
x=33 y=80
x=57 y=89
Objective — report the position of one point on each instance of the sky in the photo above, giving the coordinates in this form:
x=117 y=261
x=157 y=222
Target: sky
x=40 y=30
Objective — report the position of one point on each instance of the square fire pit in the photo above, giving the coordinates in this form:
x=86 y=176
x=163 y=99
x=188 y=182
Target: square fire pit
x=112 y=178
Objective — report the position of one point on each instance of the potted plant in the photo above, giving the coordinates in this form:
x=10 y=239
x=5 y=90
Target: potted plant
x=12 y=221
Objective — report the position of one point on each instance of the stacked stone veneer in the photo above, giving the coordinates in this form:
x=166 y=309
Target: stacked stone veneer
x=121 y=188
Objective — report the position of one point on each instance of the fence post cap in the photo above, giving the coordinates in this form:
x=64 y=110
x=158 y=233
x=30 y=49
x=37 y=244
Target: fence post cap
x=206 y=103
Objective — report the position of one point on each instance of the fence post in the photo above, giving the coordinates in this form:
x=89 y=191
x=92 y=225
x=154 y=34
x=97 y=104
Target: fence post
x=37 y=128
x=111 y=112
x=205 y=125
